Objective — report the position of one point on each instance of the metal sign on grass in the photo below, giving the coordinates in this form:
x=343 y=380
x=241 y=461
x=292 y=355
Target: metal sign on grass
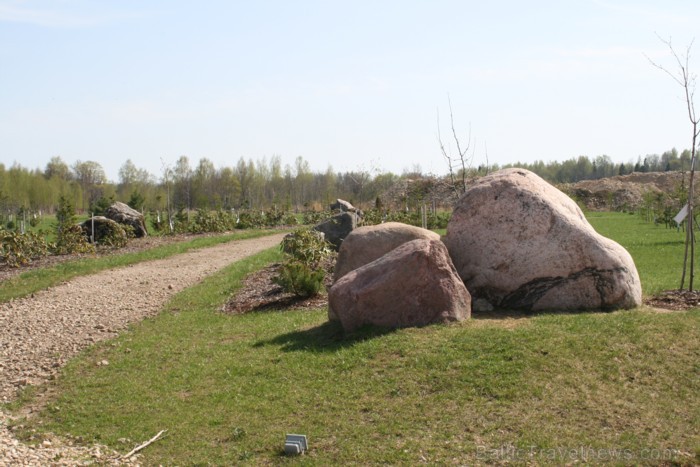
x=682 y=214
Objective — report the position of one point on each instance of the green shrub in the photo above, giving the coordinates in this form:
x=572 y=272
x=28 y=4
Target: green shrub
x=313 y=217
x=112 y=234
x=17 y=249
x=300 y=279
x=307 y=255
x=158 y=222
x=206 y=221
x=291 y=219
x=71 y=239
x=250 y=220
x=273 y=217
x=69 y=236
x=99 y=207
x=306 y=246
x=434 y=221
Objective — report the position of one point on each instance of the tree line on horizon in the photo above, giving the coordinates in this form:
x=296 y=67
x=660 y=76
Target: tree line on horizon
x=264 y=183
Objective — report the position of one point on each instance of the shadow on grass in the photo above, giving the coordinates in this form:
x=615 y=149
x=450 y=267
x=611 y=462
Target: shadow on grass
x=515 y=315
x=326 y=337
x=502 y=314
x=330 y=336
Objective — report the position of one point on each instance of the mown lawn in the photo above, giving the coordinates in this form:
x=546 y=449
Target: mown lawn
x=657 y=250
x=616 y=387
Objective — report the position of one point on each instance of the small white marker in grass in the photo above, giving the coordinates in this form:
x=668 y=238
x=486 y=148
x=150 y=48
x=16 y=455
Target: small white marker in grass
x=295 y=444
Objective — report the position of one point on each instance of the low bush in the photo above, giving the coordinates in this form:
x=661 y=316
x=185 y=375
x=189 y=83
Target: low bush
x=314 y=217
x=291 y=219
x=298 y=278
x=437 y=220
x=69 y=236
x=306 y=246
x=250 y=220
x=71 y=239
x=17 y=249
x=112 y=234
x=306 y=257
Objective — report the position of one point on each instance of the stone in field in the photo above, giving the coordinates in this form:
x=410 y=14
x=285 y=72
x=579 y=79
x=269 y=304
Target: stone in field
x=104 y=228
x=365 y=244
x=414 y=284
x=123 y=214
x=342 y=206
x=520 y=243
x=337 y=228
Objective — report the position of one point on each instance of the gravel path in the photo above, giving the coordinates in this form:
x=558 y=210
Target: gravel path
x=38 y=334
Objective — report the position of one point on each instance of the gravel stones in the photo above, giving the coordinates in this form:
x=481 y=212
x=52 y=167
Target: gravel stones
x=41 y=332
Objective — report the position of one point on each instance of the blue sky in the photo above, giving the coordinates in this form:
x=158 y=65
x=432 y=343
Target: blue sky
x=353 y=85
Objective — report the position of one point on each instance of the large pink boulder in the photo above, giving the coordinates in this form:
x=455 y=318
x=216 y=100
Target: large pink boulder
x=365 y=244
x=520 y=243
x=412 y=285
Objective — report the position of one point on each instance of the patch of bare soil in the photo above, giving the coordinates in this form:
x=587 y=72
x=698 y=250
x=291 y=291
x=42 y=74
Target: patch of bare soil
x=675 y=300
x=260 y=293
x=622 y=191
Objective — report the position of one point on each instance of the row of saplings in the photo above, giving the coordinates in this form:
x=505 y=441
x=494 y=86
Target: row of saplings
x=514 y=242
x=120 y=223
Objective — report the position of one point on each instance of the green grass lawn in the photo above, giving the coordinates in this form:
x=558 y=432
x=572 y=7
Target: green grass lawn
x=656 y=250
x=616 y=387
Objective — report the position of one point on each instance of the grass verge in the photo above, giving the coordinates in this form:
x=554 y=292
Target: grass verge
x=656 y=250
x=38 y=279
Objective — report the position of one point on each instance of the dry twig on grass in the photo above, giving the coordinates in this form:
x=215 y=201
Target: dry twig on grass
x=138 y=448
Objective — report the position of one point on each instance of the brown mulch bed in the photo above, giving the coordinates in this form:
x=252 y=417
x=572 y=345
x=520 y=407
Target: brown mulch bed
x=675 y=300
x=259 y=293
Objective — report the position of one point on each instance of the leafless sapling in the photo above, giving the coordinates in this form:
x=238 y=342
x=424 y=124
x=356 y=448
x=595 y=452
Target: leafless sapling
x=684 y=78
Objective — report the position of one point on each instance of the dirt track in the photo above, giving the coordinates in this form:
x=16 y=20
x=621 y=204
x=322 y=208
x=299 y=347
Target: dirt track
x=40 y=333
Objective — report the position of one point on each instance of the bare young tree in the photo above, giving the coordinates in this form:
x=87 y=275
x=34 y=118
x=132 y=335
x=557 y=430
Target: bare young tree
x=683 y=77
x=167 y=177
x=461 y=160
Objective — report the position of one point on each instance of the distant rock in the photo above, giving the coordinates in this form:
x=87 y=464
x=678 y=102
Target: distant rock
x=414 y=284
x=342 y=206
x=337 y=228
x=520 y=243
x=106 y=230
x=365 y=244
x=123 y=214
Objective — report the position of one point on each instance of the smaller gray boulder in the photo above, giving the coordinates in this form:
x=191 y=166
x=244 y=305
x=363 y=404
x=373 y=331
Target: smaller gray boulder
x=104 y=230
x=123 y=214
x=365 y=244
x=342 y=206
x=337 y=228
x=414 y=284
